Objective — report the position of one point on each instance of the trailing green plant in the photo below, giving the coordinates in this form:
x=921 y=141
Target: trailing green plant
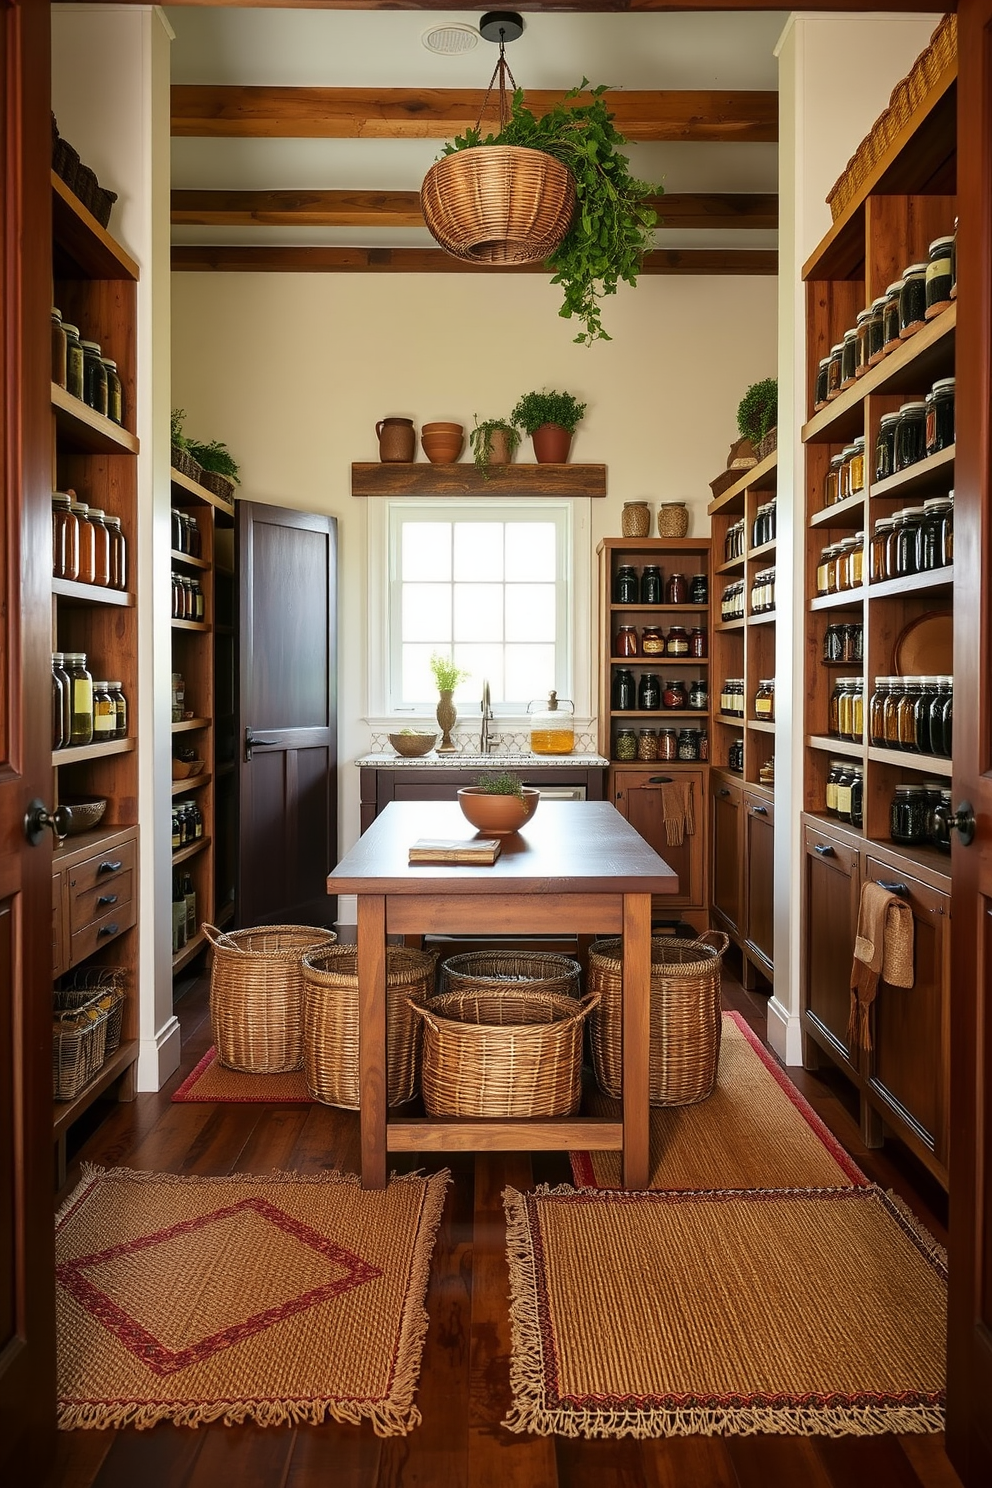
x=446 y=674
x=216 y=457
x=758 y=410
x=177 y=437
x=481 y=440
x=611 y=226
x=535 y=409
x=501 y=783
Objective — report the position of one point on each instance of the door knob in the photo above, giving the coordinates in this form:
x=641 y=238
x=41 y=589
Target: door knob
x=38 y=817
x=252 y=741
x=963 y=822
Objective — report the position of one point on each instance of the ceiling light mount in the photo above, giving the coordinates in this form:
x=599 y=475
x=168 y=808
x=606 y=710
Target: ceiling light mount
x=501 y=26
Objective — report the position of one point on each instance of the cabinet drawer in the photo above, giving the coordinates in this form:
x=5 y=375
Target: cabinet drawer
x=95 y=935
x=831 y=849
x=112 y=895
x=98 y=869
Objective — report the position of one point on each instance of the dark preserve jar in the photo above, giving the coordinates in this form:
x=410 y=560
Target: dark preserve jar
x=885 y=446
x=820 y=386
x=624 y=690
x=940 y=416
x=913 y=300
x=697 y=641
x=651 y=584
x=624 y=585
x=907 y=815
x=626 y=641
x=688 y=744
x=939 y=276
x=677 y=589
x=94 y=378
x=649 y=692
x=674 y=695
x=699 y=589
x=876 y=332
x=910 y=442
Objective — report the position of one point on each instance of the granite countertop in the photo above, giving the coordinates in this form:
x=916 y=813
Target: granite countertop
x=482 y=761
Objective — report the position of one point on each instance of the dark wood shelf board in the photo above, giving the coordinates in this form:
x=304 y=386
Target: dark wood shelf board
x=191 y=850
x=84 y=431
x=189 y=725
x=925 y=764
x=935 y=473
x=199 y=626
x=835 y=746
x=726 y=625
x=760 y=477
x=66 y=1112
x=193 y=491
x=72 y=592
x=667 y=661
x=188 y=559
x=81 y=239
x=765 y=551
x=92 y=751
x=75 y=850
x=463 y=479
x=936 y=578
x=844 y=599
x=189 y=952
x=659 y=715
x=731 y=566
x=192 y=783
x=847 y=513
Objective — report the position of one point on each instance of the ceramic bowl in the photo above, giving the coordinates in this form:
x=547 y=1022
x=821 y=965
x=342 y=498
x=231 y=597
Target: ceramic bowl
x=443 y=447
x=186 y=769
x=497 y=815
x=412 y=745
x=82 y=813
x=442 y=428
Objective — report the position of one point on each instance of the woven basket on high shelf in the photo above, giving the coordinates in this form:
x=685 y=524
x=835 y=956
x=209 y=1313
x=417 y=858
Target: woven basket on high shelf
x=496 y=971
x=256 y=995
x=183 y=461
x=502 y=1051
x=685 y=1017
x=330 y=1022
x=498 y=203
x=221 y=485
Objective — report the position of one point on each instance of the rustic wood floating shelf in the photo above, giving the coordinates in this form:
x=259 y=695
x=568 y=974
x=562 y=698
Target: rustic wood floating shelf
x=459 y=480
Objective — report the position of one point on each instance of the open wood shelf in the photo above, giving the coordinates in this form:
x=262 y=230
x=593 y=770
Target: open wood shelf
x=934 y=474
x=732 y=567
x=761 y=726
x=193 y=491
x=934 y=578
x=724 y=626
x=201 y=627
x=84 y=431
x=116 y=1064
x=192 y=783
x=666 y=661
x=464 y=479
x=188 y=560
x=765 y=551
x=79 y=238
x=843 y=747
x=189 y=952
x=191 y=850
x=926 y=764
x=83 y=752
x=852 y=507
x=72 y=592
x=760 y=477
x=844 y=599
x=191 y=725
x=768 y=618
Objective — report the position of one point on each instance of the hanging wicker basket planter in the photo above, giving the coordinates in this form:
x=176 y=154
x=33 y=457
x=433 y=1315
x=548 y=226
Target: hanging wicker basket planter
x=498 y=204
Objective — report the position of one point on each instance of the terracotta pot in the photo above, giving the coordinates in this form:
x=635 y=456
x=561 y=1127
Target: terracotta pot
x=551 y=444
x=397 y=440
x=500 y=452
x=443 y=447
x=442 y=428
x=499 y=815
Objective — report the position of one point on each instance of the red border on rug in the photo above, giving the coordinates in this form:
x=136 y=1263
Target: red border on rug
x=584 y=1175
x=184 y=1092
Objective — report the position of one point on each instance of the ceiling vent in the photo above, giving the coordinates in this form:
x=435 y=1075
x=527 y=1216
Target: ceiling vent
x=451 y=40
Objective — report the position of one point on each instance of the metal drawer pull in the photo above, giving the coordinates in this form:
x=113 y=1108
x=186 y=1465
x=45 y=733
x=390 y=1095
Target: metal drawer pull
x=659 y=780
x=106 y=899
x=824 y=849
x=759 y=810
x=724 y=791
x=111 y=867
x=108 y=930
x=899 y=889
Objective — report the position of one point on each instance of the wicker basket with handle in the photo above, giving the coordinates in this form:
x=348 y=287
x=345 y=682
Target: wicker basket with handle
x=498 y=203
x=498 y=970
x=685 y=1016
x=330 y=1022
x=256 y=994
x=508 y=1051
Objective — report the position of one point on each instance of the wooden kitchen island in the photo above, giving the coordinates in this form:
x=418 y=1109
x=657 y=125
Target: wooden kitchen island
x=576 y=868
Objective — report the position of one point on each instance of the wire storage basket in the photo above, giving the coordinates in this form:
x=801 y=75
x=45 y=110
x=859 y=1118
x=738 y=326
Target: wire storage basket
x=503 y=1051
x=256 y=994
x=330 y=1022
x=685 y=1016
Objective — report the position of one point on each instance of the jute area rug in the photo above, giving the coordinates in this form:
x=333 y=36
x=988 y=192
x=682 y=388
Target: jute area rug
x=271 y=1299
x=212 y=1081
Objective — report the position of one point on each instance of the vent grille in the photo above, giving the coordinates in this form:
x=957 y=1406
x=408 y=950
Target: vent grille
x=451 y=40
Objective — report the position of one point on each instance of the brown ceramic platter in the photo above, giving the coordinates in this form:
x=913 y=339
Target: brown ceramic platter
x=925 y=647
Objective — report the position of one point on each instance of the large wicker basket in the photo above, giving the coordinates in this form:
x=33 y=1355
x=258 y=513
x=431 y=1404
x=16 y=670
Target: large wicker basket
x=256 y=995
x=507 y=1051
x=330 y=1022
x=685 y=1016
x=498 y=970
x=498 y=203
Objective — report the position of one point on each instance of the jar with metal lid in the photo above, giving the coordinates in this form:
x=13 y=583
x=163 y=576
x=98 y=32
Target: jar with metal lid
x=73 y=360
x=116 y=690
x=931 y=540
x=764 y=701
x=913 y=300
x=844 y=473
x=699 y=589
x=907 y=540
x=625 y=745
x=861 y=331
x=118 y=553
x=833 y=776
x=910 y=441
x=674 y=695
x=938 y=277
x=648 y=692
x=858 y=798
x=94 y=378
x=697 y=641
x=954 y=262
x=890 y=317
x=909 y=696
x=876 y=560
x=651 y=584
x=652 y=641
x=876 y=712
x=876 y=332
x=835 y=570
x=940 y=417
x=199 y=602
x=81 y=698
x=624 y=585
x=87 y=543
x=104 y=714
x=856 y=561
x=58 y=668
x=688 y=744
x=845 y=563
x=833 y=708
x=624 y=692
x=823 y=570
x=58 y=709
x=625 y=641
x=947 y=532
x=856 y=474
x=676 y=589
x=843 y=792
x=735 y=756
x=947 y=720
x=857 y=692
x=845 y=708
x=929 y=688
x=698 y=696
x=667 y=744
x=940 y=822
x=833 y=643
x=834 y=371
x=849 y=360
x=65 y=537
x=115 y=393
x=176 y=529
x=907 y=815
x=677 y=641
x=101 y=547
x=647 y=744
x=831 y=481
x=58 y=348
x=820 y=386
x=885 y=446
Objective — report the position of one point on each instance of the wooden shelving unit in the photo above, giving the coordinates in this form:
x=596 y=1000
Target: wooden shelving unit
x=902 y=1079
x=94 y=885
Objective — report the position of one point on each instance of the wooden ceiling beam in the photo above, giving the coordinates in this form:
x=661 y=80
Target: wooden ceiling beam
x=559 y=7
x=696 y=210
x=236 y=112
x=192 y=258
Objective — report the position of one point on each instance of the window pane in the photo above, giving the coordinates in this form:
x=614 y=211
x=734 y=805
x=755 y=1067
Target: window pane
x=418 y=683
x=530 y=612
x=427 y=613
x=478 y=612
x=485 y=664
x=530 y=672
x=530 y=551
x=478 y=551
x=426 y=551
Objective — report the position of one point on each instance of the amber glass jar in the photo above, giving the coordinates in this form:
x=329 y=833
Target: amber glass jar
x=677 y=641
x=625 y=643
x=652 y=641
x=890 y=317
x=81 y=698
x=844 y=473
x=820 y=387
x=879 y=544
x=940 y=416
x=861 y=331
x=856 y=475
x=831 y=481
x=118 y=553
x=697 y=641
x=115 y=394
x=849 y=360
x=909 y=697
x=876 y=332
x=876 y=712
x=87 y=543
x=65 y=537
x=101 y=547
x=834 y=371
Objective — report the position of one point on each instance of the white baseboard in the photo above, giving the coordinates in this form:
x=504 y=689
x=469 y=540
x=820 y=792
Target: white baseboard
x=158 y=1057
x=784 y=1033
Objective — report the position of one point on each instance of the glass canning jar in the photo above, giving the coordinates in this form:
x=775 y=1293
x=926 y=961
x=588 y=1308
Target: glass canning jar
x=844 y=473
x=858 y=798
x=667 y=744
x=834 y=710
x=65 y=537
x=651 y=584
x=931 y=544
x=849 y=359
x=101 y=547
x=879 y=538
x=624 y=585
x=116 y=690
x=697 y=641
x=890 y=317
x=625 y=745
x=856 y=561
x=647 y=744
x=907 y=540
x=94 y=378
x=885 y=446
x=947 y=717
x=764 y=700
x=820 y=386
x=831 y=481
x=674 y=695
x=115 y=393
x=831 y=554
x=73 y=360
x=677 y=589
x=842 y=564
x=104 y=714
x=913 y=300
x=876 y=712
x=928 y=689
x=857 y=471
x=648 y=692
x=87 y=543
x=834 y=370
x=677 y=641
x=861 y=331
x=940 y=822
x=907 y=815
x=909 y=696
x=58 y=348
x=890 y=712
x=58 y=709
x=81 y=698
x=687 y=744
x=910 y=441
x=58 y=667
x=833 y=776
x=876 y=332
x=624 y=691
x=652 y=641
x=843 y=792
x=118 y=553
x=698 y=695
x=938 y=276
x=625 y=642
x=857 y=709
x=940 y=416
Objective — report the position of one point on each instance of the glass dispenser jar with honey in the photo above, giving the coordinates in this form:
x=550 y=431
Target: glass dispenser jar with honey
x=552 y=725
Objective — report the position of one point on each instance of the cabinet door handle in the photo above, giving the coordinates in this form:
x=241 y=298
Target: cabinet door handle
x=659 y=780
x=111 y=867
x=900 y=889
x=824 y=849
x=724 y=791
x=111 y=929
x=759 y=810
x=106 y=899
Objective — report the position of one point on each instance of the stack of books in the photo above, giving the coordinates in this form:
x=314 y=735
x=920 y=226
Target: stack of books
x=480 y=850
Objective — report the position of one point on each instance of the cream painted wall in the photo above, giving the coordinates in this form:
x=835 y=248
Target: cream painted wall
x=292 y=372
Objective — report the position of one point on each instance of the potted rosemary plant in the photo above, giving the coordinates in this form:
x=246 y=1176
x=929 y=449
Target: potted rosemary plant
x=550 y=418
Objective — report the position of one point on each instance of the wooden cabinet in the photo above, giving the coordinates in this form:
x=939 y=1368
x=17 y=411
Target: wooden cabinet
x=381 y=784
x=726 y=854
x=634 y=784
x=742 y=869
x=831 y=888
x=759 y=879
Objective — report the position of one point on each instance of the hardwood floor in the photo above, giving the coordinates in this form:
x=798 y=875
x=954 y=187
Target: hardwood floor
x=464 y=1388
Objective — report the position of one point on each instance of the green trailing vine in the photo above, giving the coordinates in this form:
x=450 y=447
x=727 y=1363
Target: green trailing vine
x=481 y=440
x=612 y=222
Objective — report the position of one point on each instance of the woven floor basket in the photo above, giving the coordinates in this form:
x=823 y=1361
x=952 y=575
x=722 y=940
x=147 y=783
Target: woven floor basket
x=330 y=1022
x=256 y=995
x=537 y=971
x=685 y=1017
x=498 y=203
x=507 y=1051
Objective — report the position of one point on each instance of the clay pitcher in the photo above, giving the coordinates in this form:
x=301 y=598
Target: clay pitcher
x=397 y=440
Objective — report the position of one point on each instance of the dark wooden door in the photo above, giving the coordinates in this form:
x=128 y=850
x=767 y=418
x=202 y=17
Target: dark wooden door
x=969 y=1408
x=287 y=576
x=759 y=879
x=27 y=1331
x=726 y=884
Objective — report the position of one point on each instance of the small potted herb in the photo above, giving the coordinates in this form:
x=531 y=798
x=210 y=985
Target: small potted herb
x=221 y=472
x=756 y=415
x=550 y=418
x=494 y=442
x=499 y=803
x=447 y=676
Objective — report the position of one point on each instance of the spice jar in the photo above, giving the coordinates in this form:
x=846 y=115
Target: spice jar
x=861 y=331
x=625 y=745
x=764 y=701
x=831 y=481
x=87 y=543
x=885 y=444
x=698 y=697
x=820 y=385
x=651 y=584
x=81 y=698
x=890 y=317
x=907 y=815
x=58 y=348
x=848 y=360
x=677 y=642
x=876 y=332
x=624 y=585
x=913 y=300
x=73 y=360
x=652 y=641
x=65 y=537
x=94 y=378
x=625 y=643
x=938 y=277
x=101 y=547
x=104 y=714
x=119 y=701
x=674 y=695
x=115 y=394
x=647 y=744
x=648 y=692
x=697 y=641
x=834 y=371
x=118 y=553
x=667 y=744
x=624 y=697
x=688 y=744
x=940 y=416
x=677 y=589
x=910 y=440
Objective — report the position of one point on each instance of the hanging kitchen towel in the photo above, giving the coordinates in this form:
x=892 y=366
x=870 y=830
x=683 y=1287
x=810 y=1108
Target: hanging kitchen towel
x=883 y=948
x=676 y=808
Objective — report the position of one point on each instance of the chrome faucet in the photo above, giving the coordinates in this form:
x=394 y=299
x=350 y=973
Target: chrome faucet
x=485 y=738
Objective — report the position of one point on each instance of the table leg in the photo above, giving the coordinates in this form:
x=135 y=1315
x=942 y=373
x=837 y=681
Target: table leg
x=636 y=1038
x=372 y=1037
